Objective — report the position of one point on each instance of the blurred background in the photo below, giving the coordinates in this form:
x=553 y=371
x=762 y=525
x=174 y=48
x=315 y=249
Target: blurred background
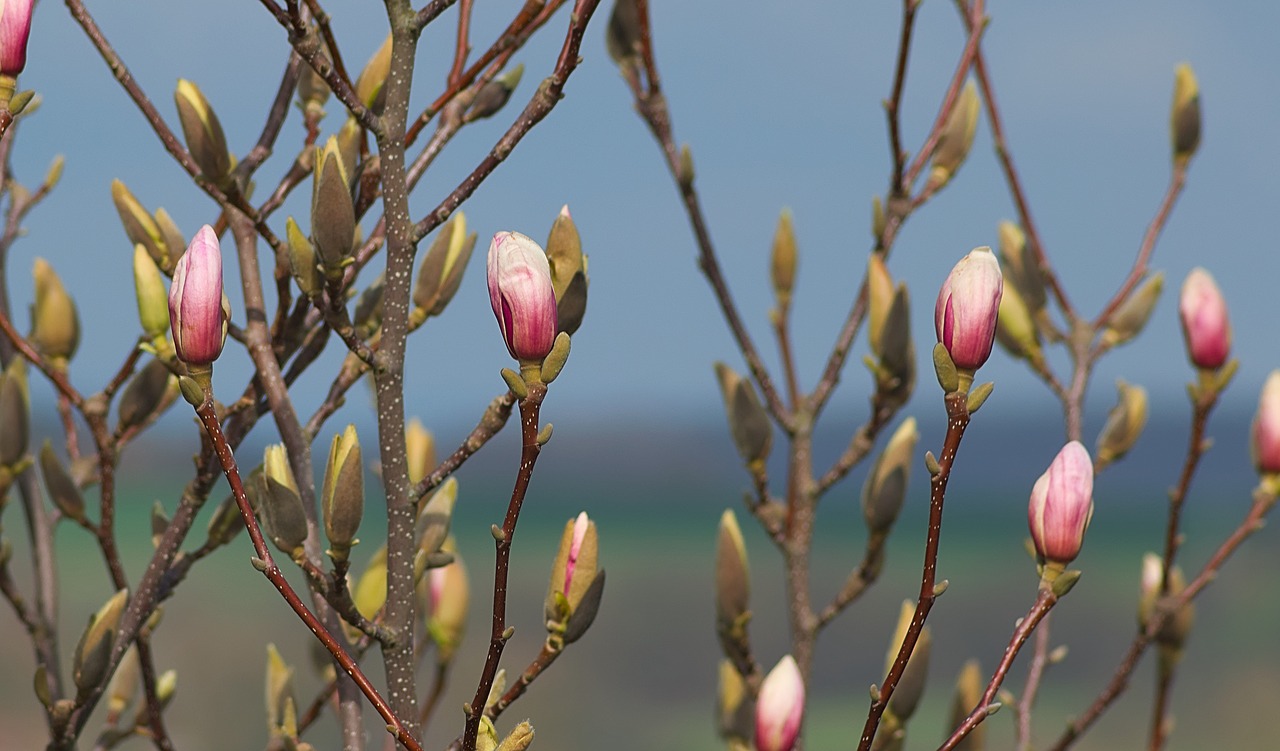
x=781 y=106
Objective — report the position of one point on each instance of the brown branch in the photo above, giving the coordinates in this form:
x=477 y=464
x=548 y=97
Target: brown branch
x=494 y=418
x=1035 y=674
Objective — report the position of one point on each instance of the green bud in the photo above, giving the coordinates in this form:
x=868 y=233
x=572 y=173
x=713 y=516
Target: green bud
x=622 y=38
x=880 y=294
x=518 y=739
x=55 y=327
x=1019 y=267
x=437 y=513
x=1129 y=319
x=442 y=267
x=748 y=422
x=153 y=298
x=574 y=570
x=140 y=227
x=487 y=738
x=89 y=664
x=420 y=451
x=313 y=92
x=54 y=175
x=15 y=417
x=493 y=95
x=203 y=133
x=568 y=272
x=886 y=486
x=957 y=137
x=62 y=489
x=333 y=218
x=896 y=375
x=174 y=240
x=371 y=588
x=281 y=710
x=369 y=85
x=302 y=261
x=124 y=683
x=1184 y=116
x=782 y=266
x=1015 y=329
x=555 y=359
x=968 y=693
x=150 y=389
x=733 y=577
x=281 y=504
x=1124 y=424
x=342 y=499
x=448 y=596
x=911 y=686
x=735 y=711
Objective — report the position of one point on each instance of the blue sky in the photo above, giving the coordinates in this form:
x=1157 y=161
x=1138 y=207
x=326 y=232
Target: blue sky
x=780 y=103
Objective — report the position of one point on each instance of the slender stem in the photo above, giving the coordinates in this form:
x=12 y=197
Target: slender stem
x=957 y=422
x=545 y=658
x=893 y=105
x=530 y=407
x=1045 y=601
x=1035 y=674
x=1160 y=707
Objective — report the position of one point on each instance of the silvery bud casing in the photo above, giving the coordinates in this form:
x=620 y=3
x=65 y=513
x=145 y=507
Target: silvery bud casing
x=333 y=218
x=62 y=489
x=55 y=325
x=494 y=94
x=956 y=138
x=568 y=272
x=1184 y=115
x=441 y=272
x=342 y=499
x=748 y=421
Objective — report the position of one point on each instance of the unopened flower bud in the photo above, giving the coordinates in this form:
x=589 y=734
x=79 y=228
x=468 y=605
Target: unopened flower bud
x=493 y=95
x=886 y=485
x=369 y=85
x=896 y=372
x=906 y=697
x=62 y=489
x=420 y=451
x=1131 y=317
x=55 y=326
x=568 y=272
x=450 y=596
x=518 y=739
x=370 y=592
x=968 y=305
x=748 y=422
x=125 y=683
x=1266 y=427
x=780 y=707
x=342 y=499
x=1061 y=505
x=1124 y=423
x=281 y=504
x=522 y=296
x=880 y=293
x=956 y=138
x=734 y=709
x=303 y=264
x=1019 y=266
x=333 y=218
x=1016 y=329
x=313 y=92
x=153 y=305
x=1177 y=626
x=733 y=577
x=622 y=37
x=15 y=413
x=15 y=29
x=281 y=709
x=198 y=311
x=574 y=570
x=141 y=228
x=89 y=664
x=1184 y=116
x=442 y=267
x=1205 y=326
x=968 y=693
x=782 y=264
x=202 y=132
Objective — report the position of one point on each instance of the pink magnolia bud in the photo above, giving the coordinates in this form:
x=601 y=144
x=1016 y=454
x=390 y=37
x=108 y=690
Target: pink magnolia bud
x=15 y=27
x=1204 y=321
x=523 y=298
x=1266 y=427
x=780 y=707
x=196 y=310
x=968 y=304
x=1061 y=505
x=580 y=525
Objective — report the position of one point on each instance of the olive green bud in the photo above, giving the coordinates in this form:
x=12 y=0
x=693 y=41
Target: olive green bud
x=55 y=326
x=487 y=737
x=433 y=521
x=957 y=137
x=281 y=504
x=153 y=298
x=622 y=37
x=313 y=92
x=15 y=413
x=420 y=451
x=733 y=577
x=968 y=693
x=1019 y=267
x=569 y=277
x=1153 y=602
x=62 y=489
x=342 y=499
x=1124 y=424
x=911 y=685
x=493 y=95
x=140 y=227
x=367 y=317
x=302 y=261
x=1129 y=319
x=54 y=175
x=89 y=664
x=1184 y=116
x=782 y=265
x=896 y=374
x=371 y=588
x=448 y=598
x=574 y=570
x=1015 y=329
x=203 y=133
x=148 y=391
x=748 y=422
x=281 y=709
x=518 y=739
x=369 y=85
x=880 y=293
x=124 y=684
x=442 y=267
x=735 y=711
x=886 y=486
x=333 y=218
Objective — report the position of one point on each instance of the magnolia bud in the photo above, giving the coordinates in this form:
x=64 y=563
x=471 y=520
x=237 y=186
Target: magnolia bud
x=622 y=38
x=15 y=29
x=886 y=485
x=281 y=504
x=198 y=311
x=150 y=389
x=574 y=570
x=1184 y=116
x=141 y=228
x=748 y=422
x=1205 y=326
x=342 y=499
x=1266 y=427
x=153 y=310
x=442 y=267
x=370 y=82
x=302 y=261
x=956 y=137
x=906 y=697
x=89 y=664
x=968 y=305
x=733 y=577
x=281 y=709
x=1061 y=506
x=333 y=218
x=370 y=592
x=568 y=272
x=734 y=708
x=449 y=594
x=202 y=132
x=1129 y=319
x=1173 y=633
x=1016 y=329
x=15 y=418
x=62 y=489
x=420 y=451
x=55 y=328
x=494 y=94
x=518 y=739
x=780 y=707
x=1124 y=424
x=1019 y=266
x=880 y=293
x=896 y=374
x=522 y=296
x=968 y=693
x=782 y=265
